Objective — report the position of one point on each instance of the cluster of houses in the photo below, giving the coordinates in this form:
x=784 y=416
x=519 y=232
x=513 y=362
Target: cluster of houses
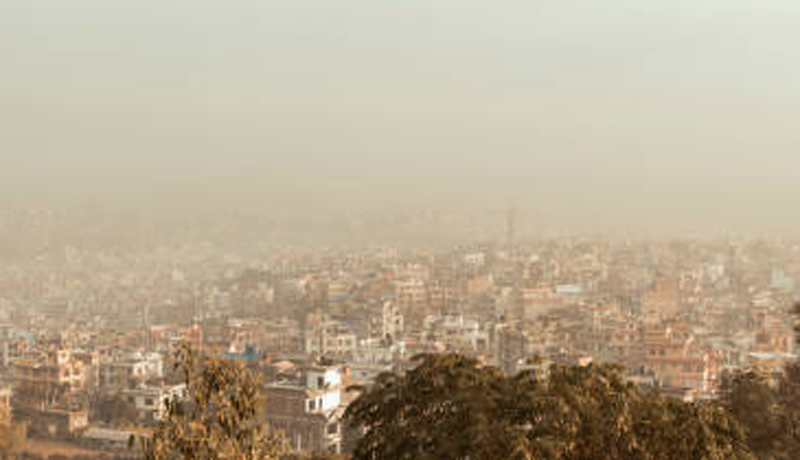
x=677 y=315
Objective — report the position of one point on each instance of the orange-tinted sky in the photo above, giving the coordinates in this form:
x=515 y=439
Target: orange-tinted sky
x=627 y=114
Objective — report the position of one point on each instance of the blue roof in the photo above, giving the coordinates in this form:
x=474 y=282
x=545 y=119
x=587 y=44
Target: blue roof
x=250 y=355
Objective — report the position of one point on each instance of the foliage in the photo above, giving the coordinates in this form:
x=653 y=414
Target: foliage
x=218 y=420
x=767 y=407
x=577 y=412
x=752 y=401
x=452 y=407
x=12 y=438
x=445 y=408
x=693 y=430
x=316 y=456
x=788 y=401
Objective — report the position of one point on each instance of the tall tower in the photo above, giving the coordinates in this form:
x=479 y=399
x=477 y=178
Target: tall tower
x=513 y=257
x=511 y=229
x=199 y=320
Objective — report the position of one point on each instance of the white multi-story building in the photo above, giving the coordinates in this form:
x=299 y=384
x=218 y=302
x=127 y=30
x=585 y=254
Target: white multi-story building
x=131 y=369
x=151 y=401
x=309 y=412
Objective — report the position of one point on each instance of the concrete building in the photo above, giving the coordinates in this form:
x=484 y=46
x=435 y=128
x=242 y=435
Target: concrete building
x=309 y=412
x=151 y=401
x=44 y=379
x=131 y=369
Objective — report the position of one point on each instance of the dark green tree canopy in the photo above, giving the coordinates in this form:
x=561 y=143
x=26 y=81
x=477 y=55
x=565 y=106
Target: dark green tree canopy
x=445 y=408
x=452 y=407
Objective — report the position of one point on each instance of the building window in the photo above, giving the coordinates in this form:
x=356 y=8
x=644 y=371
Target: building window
x=320 y=382
x=312 y=405
x=333 y=428
x=148 y=401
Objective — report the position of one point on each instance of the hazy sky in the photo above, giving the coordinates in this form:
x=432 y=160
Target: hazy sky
x=620 y=113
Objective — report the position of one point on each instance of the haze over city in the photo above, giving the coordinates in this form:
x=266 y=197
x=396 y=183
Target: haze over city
x=624 y=116
x=399 y=229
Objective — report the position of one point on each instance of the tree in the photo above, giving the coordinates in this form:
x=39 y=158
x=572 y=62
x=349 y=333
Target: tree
x=451 y=407
x=577 y=412
x=12 y=438
x=754 y=403
x=317 y=456
x=445 y=408
x=692 y=430
x=767 y=408
x=789 y=397
x=218 y=419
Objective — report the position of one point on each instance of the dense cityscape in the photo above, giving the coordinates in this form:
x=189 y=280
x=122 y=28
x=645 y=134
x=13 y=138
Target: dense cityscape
x=399 y=230
x=89 y=332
